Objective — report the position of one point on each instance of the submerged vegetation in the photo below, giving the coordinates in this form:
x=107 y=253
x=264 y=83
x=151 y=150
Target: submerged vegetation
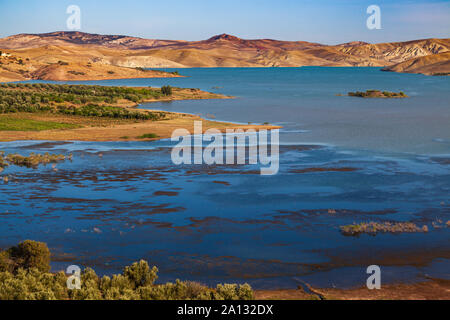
x=24 y=275
x=374 y=228
x=377 y=94
x=31 y=161
x=81 y=100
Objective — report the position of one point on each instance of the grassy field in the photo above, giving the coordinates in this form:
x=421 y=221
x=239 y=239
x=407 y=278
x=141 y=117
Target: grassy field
x=16 y=124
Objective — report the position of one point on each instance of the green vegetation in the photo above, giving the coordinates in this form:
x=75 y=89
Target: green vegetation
x=31 y=161
x=166 y=90
x=3 y=162
x=24 y=275
x=374 y=228
x=10 y=124
x=81 y=100
x=107 y=112
x=377 y=94
x=27 y=255
x=148 y=136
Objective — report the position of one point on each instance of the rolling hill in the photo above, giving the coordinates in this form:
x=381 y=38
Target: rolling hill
x=435 y=64
x=84 y=56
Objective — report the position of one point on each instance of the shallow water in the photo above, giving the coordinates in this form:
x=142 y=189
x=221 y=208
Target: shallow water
x=118 y=202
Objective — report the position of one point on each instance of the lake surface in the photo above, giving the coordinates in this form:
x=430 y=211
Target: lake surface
x=342 y=160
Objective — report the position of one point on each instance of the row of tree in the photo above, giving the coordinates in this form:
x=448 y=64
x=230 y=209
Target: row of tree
x=81 y=100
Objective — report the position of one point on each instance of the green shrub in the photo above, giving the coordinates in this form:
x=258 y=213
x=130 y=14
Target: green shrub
x=27 y=255
x=6 y=263
x=31 y=254
x=148 y=136
x=233 y=292
x=33 y=284
x=80 y=100
x=24 y=276
x=166 y=90
x=140 y=274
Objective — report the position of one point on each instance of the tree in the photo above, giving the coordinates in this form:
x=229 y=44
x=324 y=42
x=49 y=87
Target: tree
x=31 y=254
x=166 y=90
x=140 y=274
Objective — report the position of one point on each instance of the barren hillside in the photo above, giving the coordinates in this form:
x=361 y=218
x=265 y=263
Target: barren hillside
x=436 y=64
x=83 y=56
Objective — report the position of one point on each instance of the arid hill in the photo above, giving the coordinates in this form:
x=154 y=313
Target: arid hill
x=83 y=56
x=68 y=63
x=63 y=38
x=436 y=64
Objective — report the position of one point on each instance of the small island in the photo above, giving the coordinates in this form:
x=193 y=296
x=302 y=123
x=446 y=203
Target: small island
x=377 y=94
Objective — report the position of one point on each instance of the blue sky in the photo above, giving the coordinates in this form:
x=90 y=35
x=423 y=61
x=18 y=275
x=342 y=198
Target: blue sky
x=324 y=21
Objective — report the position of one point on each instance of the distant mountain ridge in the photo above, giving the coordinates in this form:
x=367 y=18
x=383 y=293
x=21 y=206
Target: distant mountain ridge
x=29 y=40
x=222 y=50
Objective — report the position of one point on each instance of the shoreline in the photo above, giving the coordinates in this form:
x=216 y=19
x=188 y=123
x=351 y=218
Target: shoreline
x=428 y=289
x=162 y=128
x=162 y=75
x=60 y=126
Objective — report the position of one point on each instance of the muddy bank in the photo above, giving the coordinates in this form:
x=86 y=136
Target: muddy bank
x=432 y=289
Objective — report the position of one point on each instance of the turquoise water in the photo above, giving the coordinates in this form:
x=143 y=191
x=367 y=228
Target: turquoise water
x=304 y=101
x=118 y=202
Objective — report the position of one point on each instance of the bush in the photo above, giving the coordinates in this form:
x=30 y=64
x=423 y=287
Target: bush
x=6 y=263
x=233 y=292
x=166 y=90
x=27 y=255
x=32 y=254
x=33 y=285
x=24 y=276
x=148 y=136
x=140 y=274
x=79 y=100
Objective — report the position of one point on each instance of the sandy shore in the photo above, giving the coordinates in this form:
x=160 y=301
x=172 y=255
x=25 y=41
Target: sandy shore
x=432 y=289
x=127 y=131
